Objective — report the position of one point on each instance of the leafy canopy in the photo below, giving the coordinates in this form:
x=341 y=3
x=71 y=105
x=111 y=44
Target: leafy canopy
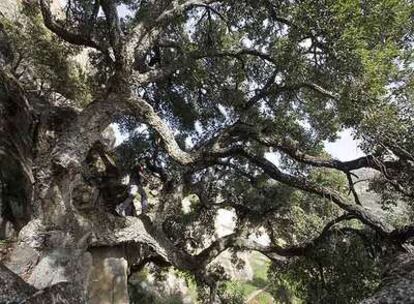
x=255 y=77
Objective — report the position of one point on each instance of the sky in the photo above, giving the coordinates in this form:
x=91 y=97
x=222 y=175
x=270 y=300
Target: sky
x=345 y=148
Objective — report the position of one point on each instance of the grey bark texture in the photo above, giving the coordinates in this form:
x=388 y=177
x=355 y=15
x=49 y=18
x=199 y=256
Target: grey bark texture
x=397 y=286
x=68 y=243
x=14 y=290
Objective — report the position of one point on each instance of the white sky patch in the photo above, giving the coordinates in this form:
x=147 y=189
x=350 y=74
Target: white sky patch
x=262 y=238
x=279 y=78
x=345 y=148
x=246 y=42
x=189 y=26
x=140 y=129
x=123 y=11
x=273 y=157
x=223 y=110
x=198 y=127
x=225 y=222
x=188 y=143
x=306 y=43
x=119 y=137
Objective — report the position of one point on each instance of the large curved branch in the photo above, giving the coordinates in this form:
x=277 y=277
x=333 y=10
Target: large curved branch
x=85 y=130
x=73 y=38
x=292 y=149
x=205 y=154
x=91 y=123
x=304 y=184
x=114 y=231
x=99 y=114
x=211 y=153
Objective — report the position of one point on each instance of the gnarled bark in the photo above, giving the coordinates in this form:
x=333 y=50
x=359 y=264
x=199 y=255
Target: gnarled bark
x=50 y=149
x=15 y=290
x=397 y=286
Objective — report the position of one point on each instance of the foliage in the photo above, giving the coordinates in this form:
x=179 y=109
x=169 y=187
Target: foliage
x=341 y=271
x=50 y=60
x=344 y=268
x=264 y=78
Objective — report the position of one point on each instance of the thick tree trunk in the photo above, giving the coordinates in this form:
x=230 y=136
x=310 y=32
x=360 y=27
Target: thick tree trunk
x=53 y=237
x=397 y=286
x=15 y=290
x=67 y=248
x=67 y=233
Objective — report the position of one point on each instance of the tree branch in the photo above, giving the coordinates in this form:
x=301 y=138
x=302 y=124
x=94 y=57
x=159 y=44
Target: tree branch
x=109 y=8
x=302 y=183
x=205 y=154
x=73 y=38
x=153 y=75
x=274 y=252
x=178 y=9
x=314 y=87
x=235 y=54
x=291 y=148
x=352 y=188
x=163 y=72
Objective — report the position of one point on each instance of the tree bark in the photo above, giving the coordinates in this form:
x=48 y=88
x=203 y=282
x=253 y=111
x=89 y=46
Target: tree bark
x=44 y=149
x=16 y=290
x=397 y=286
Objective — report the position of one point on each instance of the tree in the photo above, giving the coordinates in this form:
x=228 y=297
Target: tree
x=212 y=86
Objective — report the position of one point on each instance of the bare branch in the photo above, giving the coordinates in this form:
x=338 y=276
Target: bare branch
x=262 y=92
x=220 y=15
x=291 y=148
x=352 y=188
x=236 y=54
